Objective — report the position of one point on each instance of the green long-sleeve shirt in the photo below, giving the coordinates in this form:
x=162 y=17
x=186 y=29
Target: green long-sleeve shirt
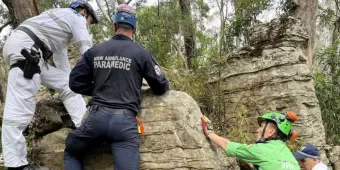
x=273 y=155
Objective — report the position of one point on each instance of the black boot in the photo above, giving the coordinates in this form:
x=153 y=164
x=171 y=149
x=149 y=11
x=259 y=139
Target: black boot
x=28 y=167
x=17 y=168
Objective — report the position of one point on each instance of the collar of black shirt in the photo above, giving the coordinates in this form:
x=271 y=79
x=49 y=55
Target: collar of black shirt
x=121 y=37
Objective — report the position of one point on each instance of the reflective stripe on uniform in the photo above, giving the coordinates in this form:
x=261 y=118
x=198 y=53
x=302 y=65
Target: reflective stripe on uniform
x=62 y=25
x=13 y=123
x=48 y=35
x=82 y=43
x=41 y=32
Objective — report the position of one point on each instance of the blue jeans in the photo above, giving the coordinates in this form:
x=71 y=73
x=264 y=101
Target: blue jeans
x=119 y=130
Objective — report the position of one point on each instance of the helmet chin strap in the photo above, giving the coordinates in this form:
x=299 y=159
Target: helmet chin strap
x=263 y=139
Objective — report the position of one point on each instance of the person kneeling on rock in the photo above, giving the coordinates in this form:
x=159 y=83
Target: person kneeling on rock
x=112 y=74
x=270 y=151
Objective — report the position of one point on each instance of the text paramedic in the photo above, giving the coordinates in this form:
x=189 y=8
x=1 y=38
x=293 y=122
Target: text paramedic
x=112 y=62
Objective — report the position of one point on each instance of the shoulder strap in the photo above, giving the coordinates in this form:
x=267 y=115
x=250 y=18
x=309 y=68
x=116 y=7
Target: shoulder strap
x=37 y=42
x=47 y=54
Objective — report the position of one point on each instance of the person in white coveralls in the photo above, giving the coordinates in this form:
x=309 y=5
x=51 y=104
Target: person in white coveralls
x=27 y=50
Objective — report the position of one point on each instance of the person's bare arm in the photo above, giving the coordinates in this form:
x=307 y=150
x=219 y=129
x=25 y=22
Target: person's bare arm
x=218 y=140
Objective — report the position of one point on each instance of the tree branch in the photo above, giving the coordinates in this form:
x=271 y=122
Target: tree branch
x=337 y=6
x=108 y=7
x=177 y=45
x=103 y=11
x=128 y=1
x=5 y=25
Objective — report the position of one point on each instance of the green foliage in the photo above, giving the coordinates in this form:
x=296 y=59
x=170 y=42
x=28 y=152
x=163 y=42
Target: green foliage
x=192 y=82
x=156 y=31
x=328 y=90
x=246 y=12
x=329 y=58
x=286 y=5
x=159 y=31
x=202 y=8
x=101 y=31
x=207 y=50
x=327 y=79
x=49 y=4
x=328 y=95
x=327 y=17
x=240 y=131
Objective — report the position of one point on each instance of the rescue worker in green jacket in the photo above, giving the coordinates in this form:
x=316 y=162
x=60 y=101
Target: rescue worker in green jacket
x=270 y=151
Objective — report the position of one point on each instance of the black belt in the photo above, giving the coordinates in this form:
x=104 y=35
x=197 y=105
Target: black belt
x=20 y=64
x=13 y=66
x=112 y=111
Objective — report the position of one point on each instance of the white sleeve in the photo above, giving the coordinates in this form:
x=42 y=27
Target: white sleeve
x=81 y=35
x=61 y=61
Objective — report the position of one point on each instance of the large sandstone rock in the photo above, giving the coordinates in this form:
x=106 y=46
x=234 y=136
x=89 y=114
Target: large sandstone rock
x=50 y=115
x=173 y=139
x=333 y=153
x=271 y=74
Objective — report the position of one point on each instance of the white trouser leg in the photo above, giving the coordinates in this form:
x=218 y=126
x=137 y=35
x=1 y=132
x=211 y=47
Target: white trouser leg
x=18 y=113
x=20 y=102
x=61 y=61
x=74 y=103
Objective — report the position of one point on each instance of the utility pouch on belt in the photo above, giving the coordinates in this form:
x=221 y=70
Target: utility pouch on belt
x=30 y=66
x=140 y=126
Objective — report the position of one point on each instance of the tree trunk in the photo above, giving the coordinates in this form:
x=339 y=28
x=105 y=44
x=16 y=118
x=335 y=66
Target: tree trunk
x=20 y=10
x=335 y=36
x=307 y=11
x=188 y=29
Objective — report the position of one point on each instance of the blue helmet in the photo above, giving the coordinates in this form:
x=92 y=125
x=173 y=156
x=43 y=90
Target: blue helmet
x=125 y=14
x=87 y=6
x=125 y=18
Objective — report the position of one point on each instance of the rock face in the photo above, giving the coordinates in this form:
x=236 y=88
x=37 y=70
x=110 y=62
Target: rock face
x=173 y=139
x=271 y=74
x=50 y=115
x=333 y=153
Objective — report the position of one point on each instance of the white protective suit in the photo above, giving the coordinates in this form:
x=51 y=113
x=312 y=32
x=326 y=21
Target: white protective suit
x=56 y=28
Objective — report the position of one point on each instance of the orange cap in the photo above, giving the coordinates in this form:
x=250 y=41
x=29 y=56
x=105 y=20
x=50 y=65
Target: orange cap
x=292 y=116
x=293 y=136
